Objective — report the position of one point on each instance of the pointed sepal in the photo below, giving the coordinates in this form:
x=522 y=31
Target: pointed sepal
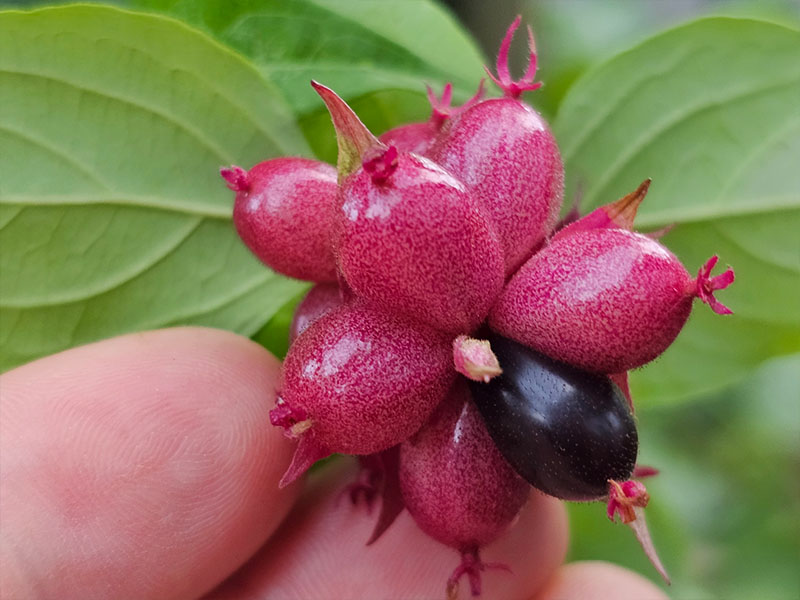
x=628 y=501
x=352 y=136
x=617 y=215
x=391 y=497
x=308 y=452
x=621 y=379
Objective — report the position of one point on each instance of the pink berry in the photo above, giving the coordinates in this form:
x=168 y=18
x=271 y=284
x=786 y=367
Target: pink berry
x=283 y=212
x=409 y=236
x=418 y=137
x=503 y=150
x=418 y=244
x=606 y=300
x=456 y=484
x=358 y=381
x=320 y=300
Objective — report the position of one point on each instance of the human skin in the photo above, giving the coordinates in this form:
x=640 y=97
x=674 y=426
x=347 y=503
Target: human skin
x=144 y=467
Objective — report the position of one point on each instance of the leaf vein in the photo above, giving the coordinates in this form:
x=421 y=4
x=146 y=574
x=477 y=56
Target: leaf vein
x=56 y=151
x=135 y=271
x=165 y=116
x=651 y=135
x=179 y=205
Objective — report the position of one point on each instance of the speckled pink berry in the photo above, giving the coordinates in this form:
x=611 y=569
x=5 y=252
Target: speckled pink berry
x=283 y=213
x=358 y=381
x=418 y=137
x=505 y=153
x=456 y=484
x=418 y=244
x=606 y=300
x=319 y=301
x=408 y=235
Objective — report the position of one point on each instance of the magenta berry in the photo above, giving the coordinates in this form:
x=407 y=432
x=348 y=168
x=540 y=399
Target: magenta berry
x=456 y=484
x=606 y=300
x=415 y=242
x=564 y=430
x=320 y=300
x=409 y=236
x=283 y=212
x=418 y=137
x=358 y=381
x=504 y=152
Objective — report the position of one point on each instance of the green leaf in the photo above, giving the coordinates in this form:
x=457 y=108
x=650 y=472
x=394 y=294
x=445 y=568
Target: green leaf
x=113 y=217
x=274 y=335
x=709 y=110
x=356 y=47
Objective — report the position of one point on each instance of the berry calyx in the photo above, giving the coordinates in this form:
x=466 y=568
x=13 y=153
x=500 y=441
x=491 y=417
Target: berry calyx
x=381 y=164
x=441 y=109
x=294 y=421
x=471 y=565
x=624 y=497
x=419 y=137
x=235 y=178
x=628 y=500
x=512 y=88
x=474 y=359
x=705 y=286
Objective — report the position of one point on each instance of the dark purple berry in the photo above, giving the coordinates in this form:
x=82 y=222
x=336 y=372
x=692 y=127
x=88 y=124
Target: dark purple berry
x=565 y=430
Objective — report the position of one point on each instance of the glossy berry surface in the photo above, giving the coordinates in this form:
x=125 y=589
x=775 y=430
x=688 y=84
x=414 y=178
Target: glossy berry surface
x=284 y=211
x=455 y=483
x=360 y=380
x=606 y=300
x=505 y=153
x=458 y=487
x=412 y=239
x=564 y=430
x=319 y=301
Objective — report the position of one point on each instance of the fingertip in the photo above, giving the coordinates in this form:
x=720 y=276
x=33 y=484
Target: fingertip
x=597 y=580
x=147 y=459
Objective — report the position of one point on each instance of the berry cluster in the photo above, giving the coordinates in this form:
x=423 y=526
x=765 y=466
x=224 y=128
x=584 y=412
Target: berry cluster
x=436 y=251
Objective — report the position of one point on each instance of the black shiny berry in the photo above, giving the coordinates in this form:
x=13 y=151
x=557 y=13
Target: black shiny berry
x=564 y=430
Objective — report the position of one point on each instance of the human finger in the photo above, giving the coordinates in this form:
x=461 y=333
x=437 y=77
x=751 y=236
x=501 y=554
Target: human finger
x=139 y=467
x=596 y=580
x=320 y=553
